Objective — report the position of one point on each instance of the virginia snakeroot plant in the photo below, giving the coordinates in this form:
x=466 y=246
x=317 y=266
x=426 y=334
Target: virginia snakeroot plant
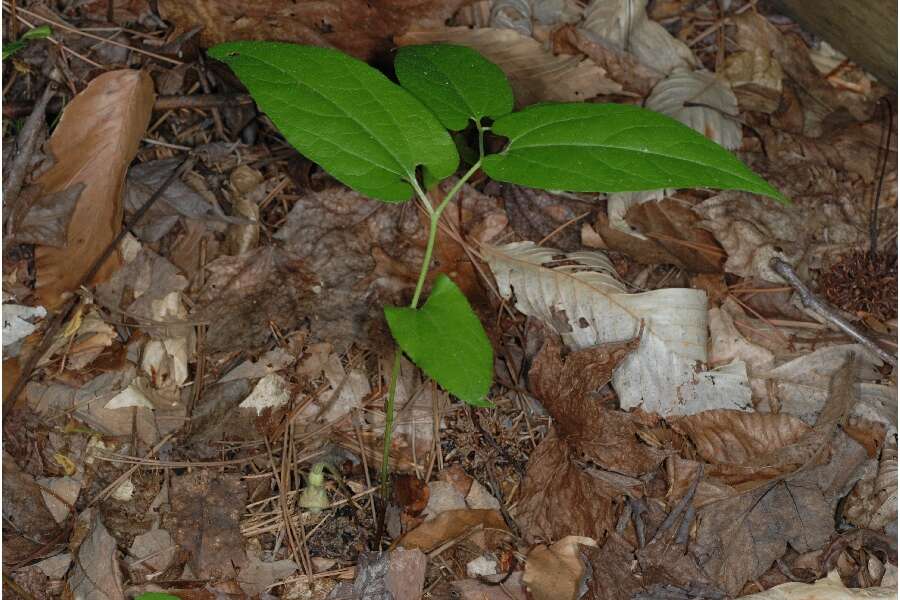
x=390 y=142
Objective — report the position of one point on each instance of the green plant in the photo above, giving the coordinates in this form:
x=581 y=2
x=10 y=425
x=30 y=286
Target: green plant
x=37 y=33
x=374 y=135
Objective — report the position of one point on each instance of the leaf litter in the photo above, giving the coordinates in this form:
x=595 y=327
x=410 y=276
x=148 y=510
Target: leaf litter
x=165 y=438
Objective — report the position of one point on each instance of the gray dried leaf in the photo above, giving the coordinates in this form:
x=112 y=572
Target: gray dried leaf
x=95 y=574
x=47 y=221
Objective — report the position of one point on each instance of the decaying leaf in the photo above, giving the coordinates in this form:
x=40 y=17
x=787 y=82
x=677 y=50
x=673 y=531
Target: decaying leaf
x=28 y=525
x=829 y=588
x=558 y=571
x=249 y=191
x=581 y=297
x=621 y=66
x=17 y=323
x=535 y=74
x=258 y=575
x=93 y=145
x=701 y=101
x=398 y=574
x=95 y=574
x=47 y=220
x=271 y=392
x=363 y=30
x=205 y=522
x=246 y=295
x=739 y=537
x=449 y=525
x=873 y=502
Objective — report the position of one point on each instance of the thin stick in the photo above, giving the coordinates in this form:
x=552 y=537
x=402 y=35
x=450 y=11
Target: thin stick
x=823 y=309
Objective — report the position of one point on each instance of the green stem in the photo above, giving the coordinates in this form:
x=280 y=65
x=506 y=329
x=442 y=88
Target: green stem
x=434 y=218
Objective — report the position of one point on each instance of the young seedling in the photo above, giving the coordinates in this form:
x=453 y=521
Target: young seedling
x=391 y=142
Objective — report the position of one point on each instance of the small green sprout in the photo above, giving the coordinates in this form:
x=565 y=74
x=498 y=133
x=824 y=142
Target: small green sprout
x=38 y=33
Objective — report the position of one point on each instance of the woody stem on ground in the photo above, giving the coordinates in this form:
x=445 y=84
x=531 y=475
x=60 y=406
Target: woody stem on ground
x=434 y=220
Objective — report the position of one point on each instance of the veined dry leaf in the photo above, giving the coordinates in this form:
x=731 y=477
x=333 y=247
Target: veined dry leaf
x=701 y=101
x=47 y=220
x=94 y=143
x=579 y=295
x=621 y=66
x=624 y=24
x=535 y=74
x=755 y=76
x=559 y=571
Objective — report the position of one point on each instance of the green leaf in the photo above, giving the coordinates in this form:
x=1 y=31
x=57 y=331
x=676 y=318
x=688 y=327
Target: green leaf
x=38 y=33
x=11 y=48
x=613 y=148
x=156 y=596
x=365 y=130
x=446 y=340
x=455 y=82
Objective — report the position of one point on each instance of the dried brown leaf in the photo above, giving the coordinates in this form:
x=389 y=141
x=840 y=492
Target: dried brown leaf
x=449 y=525
x=535 y=74
x=578 y=504
x=362 y=29
x=205 y=522
x=95 y=574
x=558 y=571
x=28 y=525
x=564 y=386
x=94 y=143
x=249 y=191
x=622 y=67
x=739 y=538
x=47 y=220
x=246 y=295
x=673 y=225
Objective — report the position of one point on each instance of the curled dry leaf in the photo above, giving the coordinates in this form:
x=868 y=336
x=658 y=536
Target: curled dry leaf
x=28 y=524
x=363 y=30
x=94 y=143
x=205 y=522
x=559 y=571
x=621 y=66
x=535 y=74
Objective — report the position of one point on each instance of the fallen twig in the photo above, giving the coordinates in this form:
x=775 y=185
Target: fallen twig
x=823 y=309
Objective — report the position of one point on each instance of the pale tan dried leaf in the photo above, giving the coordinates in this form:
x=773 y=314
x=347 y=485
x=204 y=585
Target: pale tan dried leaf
x=755 y=76
x=249 y=191
x=95 y=574
x=701 y=101
x=94 y=143
x=450 y=525
x=535 y=74
x=624 y=24
x=558 y=572
x=258 y=575
x=620 y=65
x=828 y=588
x=580 y=296
x=363 y=30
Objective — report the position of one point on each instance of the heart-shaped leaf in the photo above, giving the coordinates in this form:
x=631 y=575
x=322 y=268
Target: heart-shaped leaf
x=446 y=340
x=455 y=82
x=363 y=129
x=613 y=148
